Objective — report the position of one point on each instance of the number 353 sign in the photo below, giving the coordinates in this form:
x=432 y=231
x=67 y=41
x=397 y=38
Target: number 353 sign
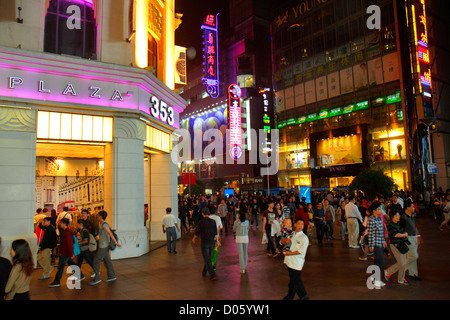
x=162 y=111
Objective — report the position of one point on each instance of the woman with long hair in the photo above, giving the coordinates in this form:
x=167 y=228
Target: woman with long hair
x=18 y=286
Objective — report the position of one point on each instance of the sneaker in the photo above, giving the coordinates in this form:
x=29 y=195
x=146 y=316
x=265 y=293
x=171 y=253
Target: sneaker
x=404 y=282
x=414 y=278
x=362 y=259
x=379 y=284
x=43 y=277
x=213 y=278
x=387 y=276
x=111 y=279
x=95 y=282
x=54 y=285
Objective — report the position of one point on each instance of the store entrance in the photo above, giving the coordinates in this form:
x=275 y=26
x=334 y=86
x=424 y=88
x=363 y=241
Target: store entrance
x=70 y=175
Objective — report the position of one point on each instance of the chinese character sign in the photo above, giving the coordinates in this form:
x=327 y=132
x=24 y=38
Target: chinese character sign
x=210 y=55
x=235 y=121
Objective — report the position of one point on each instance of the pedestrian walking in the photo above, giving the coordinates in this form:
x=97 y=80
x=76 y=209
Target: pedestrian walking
x=408 y=222
x=397 y=236
x=104 y=237
x=294 y=259
x=18 y=285
x=170 y=227
x=376 y=237
x=352 y=215
x=46 y=246
x=83 y=237
x=241 y=228
x=66 y=252
x=207 y=231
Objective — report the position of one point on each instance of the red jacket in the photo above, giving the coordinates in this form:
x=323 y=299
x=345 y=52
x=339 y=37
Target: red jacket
x=67 y=243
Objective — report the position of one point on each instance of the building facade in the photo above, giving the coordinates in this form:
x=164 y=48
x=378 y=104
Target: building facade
x=340 y=95
x=87 y=111
x=244 y=59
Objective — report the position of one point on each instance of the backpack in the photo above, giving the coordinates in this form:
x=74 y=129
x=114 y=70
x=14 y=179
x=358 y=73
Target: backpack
x=112 y=245
x=76 y=246
x=92 y=243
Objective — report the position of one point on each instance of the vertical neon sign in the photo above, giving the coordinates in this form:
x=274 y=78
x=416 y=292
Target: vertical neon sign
x=422 y=53
x=211 y=55
x=235 y=121
x=421 y=42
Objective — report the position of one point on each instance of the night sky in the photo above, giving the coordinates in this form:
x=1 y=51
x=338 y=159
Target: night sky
x=189 y=33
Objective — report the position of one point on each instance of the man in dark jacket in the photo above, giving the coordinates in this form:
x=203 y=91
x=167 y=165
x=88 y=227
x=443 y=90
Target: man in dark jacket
x=66 y=252
x=48 y=243
x=207 y=230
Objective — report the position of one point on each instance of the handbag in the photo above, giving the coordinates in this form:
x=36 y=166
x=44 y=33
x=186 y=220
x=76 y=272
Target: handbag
x=402 y=246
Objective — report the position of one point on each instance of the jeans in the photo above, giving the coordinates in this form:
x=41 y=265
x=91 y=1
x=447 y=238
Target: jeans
x=254 y=218
x=171 y=235
x=379 y=257
x=295 y=285
x=224 y=223
x=343 y=229
x=243 y=255
x=207 y=251
x=320 y=230
x=63 y=260
x=330 y=229
x=88 y=255
x=270 y=242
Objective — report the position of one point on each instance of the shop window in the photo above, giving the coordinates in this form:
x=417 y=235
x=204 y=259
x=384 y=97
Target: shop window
x=389 y=145
x=71 y=29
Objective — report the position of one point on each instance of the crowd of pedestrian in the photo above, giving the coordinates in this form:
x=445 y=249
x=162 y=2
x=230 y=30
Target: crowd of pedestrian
x=383 y=228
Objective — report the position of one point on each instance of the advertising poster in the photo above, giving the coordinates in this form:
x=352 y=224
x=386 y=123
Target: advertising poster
x=334 y=88
x=391 y=67
x=310 y=92
x=375 y=68
x=360 y=76
x=339 y=151
x=321 y=88
x=346 y=76
x=299 y=91
x=289 y=98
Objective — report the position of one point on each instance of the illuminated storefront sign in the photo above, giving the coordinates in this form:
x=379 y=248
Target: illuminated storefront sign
x=265 y=93
x=97 y=93
x=211 y=55
x=421 y=42
x=298 y=10
x=338 y=111
x=235 y=121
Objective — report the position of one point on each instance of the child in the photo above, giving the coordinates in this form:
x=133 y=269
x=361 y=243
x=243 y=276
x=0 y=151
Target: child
x=18 y=286
x=286 y=232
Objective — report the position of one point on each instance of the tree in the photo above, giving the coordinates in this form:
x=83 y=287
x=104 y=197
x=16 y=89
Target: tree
x=373 y=182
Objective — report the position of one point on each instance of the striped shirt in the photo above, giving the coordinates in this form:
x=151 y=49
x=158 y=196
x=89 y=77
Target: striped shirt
x=375 y=232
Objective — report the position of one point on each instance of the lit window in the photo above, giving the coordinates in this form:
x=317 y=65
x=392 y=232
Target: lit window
x=67 y=127
x=70 y=28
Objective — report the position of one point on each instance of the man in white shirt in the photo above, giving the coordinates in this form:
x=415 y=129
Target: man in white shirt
x=218 y=221
x=352 y=214
x=169 y=223
x=294 y=260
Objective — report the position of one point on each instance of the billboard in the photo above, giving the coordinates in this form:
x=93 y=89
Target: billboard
x=339 y=151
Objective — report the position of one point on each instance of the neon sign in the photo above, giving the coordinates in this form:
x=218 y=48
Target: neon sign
x=235 y=121
x=211 y=55
x=421 y=42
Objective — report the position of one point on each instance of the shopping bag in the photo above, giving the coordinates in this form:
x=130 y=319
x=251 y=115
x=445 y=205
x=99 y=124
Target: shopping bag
x=214 y=256
x=264 y=239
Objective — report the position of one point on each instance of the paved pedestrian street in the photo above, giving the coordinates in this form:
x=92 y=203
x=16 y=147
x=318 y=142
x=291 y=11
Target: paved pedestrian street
x=332 y=272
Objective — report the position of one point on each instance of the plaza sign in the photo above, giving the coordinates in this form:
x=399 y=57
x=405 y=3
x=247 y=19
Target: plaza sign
x=76 y=90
